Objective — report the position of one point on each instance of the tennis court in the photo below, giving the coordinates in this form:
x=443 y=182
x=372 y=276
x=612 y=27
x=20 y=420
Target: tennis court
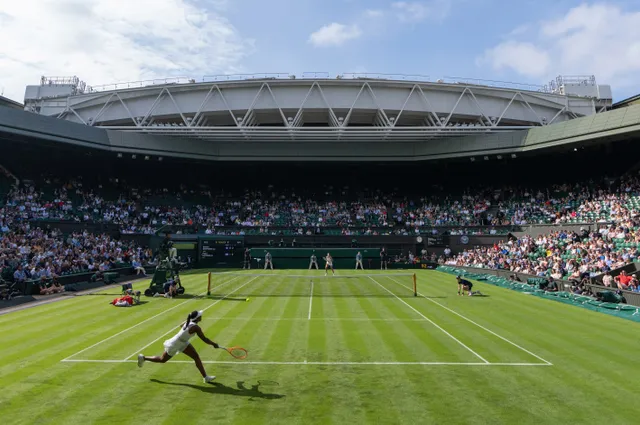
x=358 y=347
x=297 y=319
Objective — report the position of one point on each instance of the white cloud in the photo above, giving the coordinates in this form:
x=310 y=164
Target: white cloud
x=521 y=30
x=334 y=34
x=373 y=13
x=599 y=39
x=524 y=58
x=420 y=11
x=372 y=21
x=105 y=41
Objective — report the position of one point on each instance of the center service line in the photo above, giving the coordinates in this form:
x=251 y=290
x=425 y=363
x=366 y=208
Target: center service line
x=310 y=300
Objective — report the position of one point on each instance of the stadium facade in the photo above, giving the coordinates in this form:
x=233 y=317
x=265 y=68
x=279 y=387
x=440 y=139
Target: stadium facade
x=312 y=117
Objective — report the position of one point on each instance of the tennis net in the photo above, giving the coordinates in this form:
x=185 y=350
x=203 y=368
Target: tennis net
x=241 y=285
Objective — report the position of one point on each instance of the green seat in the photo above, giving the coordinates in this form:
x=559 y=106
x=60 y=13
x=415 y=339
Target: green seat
x=110 y=277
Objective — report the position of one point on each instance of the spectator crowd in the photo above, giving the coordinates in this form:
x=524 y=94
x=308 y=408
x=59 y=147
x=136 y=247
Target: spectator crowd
x=613 y=243
x=28 y=251
x=41 y=255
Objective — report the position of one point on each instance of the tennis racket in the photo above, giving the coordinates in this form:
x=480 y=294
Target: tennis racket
x=237 y=352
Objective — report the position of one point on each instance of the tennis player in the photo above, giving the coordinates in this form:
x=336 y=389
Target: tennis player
x=464 y=285
x=180 y=343
x=267 y=261
x=384 y=259
x=247 y=260
x=359 y=261
x=328 y=264
x=313 y=262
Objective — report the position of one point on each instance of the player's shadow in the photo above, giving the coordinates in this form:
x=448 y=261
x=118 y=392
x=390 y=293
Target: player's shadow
x=218 y=388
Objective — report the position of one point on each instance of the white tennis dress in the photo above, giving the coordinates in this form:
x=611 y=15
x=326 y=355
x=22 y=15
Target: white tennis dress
x=180 y=341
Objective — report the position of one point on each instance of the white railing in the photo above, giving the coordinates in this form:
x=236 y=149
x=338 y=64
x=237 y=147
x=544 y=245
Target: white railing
x=316 y=76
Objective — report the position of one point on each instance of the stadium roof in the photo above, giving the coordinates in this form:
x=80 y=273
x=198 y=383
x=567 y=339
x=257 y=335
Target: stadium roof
x=10 y=103
x=316 y=108
x=633 y=100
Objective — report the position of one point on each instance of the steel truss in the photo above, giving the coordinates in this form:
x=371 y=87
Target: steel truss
x=246 y=125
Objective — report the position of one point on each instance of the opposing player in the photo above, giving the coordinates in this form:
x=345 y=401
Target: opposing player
x=313 y=262
x=267 y=261
x=464 y=285
x=247 y=260
x=359 y=261
x=384 y=259
x=328 y=264
x=180 y=343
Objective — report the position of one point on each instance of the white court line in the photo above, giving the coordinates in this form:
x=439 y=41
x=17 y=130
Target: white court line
x=324 y=319
x=432 y=322
x=174 y=327
x=478 y=325
x=319 y=275
x=310 y=300
x=240 y=362
x=145 y=321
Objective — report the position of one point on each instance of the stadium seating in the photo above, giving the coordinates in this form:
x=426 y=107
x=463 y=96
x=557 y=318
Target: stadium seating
x=271 y=211
x=144 y=210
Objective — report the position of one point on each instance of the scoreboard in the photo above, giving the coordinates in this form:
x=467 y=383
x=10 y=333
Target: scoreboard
x=222 y=251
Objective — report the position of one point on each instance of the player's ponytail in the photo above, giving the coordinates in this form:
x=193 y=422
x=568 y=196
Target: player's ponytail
x=192 y=316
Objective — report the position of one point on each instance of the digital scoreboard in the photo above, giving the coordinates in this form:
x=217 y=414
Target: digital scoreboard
x=220 y=252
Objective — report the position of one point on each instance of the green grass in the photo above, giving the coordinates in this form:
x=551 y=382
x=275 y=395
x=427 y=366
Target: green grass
x=340 y=366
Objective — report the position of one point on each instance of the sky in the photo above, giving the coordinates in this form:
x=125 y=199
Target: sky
x=115 y=41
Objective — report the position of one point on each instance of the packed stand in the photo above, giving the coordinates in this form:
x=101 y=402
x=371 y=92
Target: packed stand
x=562 y=255
x=39 y=256
x=145 y=210
x=33 y=254
x=199 y=209
x=589 y=202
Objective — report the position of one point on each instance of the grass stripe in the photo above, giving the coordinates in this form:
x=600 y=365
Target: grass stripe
x=439 y=327
x=353 y=320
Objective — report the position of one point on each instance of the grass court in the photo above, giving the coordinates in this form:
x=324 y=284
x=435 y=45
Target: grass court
x=354 y=348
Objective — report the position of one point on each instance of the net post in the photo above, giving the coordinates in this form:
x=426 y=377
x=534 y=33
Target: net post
x=209 y=283
x=415 y=286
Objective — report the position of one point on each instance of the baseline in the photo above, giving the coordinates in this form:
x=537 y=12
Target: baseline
x=320 y=363
x=327 y=319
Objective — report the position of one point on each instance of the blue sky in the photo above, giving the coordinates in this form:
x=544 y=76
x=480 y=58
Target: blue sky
x=108 y=41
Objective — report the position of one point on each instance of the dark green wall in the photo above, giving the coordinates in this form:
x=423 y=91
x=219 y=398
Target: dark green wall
x=299 y=258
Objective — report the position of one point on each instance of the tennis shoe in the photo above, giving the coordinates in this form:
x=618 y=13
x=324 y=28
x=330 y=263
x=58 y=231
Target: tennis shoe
x=140 y=360
x=208 y=379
